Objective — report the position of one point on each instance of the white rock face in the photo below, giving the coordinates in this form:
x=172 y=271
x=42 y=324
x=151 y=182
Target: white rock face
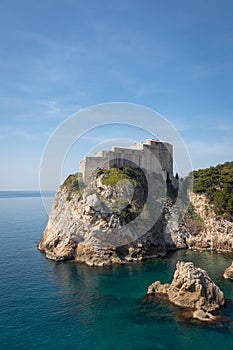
x=191 y=288
x=81 y=227
x=216 y=233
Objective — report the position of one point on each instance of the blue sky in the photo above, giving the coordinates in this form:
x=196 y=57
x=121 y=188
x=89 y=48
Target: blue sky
x=58 y=57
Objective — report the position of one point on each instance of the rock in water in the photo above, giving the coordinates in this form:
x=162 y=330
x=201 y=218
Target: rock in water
x=228 y=273
x=192 y=288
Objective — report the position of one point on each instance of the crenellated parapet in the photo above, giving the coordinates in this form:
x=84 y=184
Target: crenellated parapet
x=151 y=156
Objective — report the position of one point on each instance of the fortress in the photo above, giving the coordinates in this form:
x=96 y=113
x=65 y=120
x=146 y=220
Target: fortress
x=151 y=156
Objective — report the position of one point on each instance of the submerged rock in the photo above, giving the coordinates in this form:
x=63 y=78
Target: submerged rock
x=192 y=288
x=204 y=316
x=228 y=273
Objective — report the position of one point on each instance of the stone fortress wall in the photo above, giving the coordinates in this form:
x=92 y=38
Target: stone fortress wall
x=151 y=156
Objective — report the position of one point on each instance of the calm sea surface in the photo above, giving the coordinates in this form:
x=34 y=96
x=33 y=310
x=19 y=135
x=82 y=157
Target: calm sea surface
x=48 y=305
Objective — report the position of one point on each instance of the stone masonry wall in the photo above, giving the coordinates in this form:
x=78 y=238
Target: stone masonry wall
x=151 y=156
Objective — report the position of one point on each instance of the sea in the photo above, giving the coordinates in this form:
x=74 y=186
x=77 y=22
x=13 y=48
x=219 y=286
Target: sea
x=64 y=305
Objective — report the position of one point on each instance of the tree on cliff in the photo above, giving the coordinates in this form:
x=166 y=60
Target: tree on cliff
x=217 y=183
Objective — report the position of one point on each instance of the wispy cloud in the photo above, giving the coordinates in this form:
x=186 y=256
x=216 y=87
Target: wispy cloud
x=207 y=152
x=15 y=133
x=205 y=70
x=24 y=108
x=51 y=107
x=25 y=134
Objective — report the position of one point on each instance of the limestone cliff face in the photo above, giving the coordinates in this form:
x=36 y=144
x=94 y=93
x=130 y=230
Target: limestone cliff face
x=203 y=231
x=56 y=241
x=88 y=227
x=213 y=233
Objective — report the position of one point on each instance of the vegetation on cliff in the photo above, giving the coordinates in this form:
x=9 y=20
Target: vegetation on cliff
x=194 y=221
x=113 y=175
x=73 y=183
x=217 y=184
x=119 y=182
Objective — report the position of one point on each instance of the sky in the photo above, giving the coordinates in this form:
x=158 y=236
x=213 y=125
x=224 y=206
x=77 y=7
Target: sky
x=60 y=57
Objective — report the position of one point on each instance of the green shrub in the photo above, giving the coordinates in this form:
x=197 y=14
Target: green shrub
x=217 y=184
x=191 y=213
x=73 y=183
x=113 y=175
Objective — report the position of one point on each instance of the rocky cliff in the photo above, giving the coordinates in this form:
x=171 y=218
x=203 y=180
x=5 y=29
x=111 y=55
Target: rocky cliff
x=111 y=221
x=200 y=228
x=98 y=226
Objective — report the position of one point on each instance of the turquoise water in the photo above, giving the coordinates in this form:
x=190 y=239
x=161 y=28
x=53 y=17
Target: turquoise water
x=48 y=305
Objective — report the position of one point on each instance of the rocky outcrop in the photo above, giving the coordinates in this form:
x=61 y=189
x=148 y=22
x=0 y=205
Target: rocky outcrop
x=91 y=227
x=228 y=273
x=192 y=288
x=105 y=224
